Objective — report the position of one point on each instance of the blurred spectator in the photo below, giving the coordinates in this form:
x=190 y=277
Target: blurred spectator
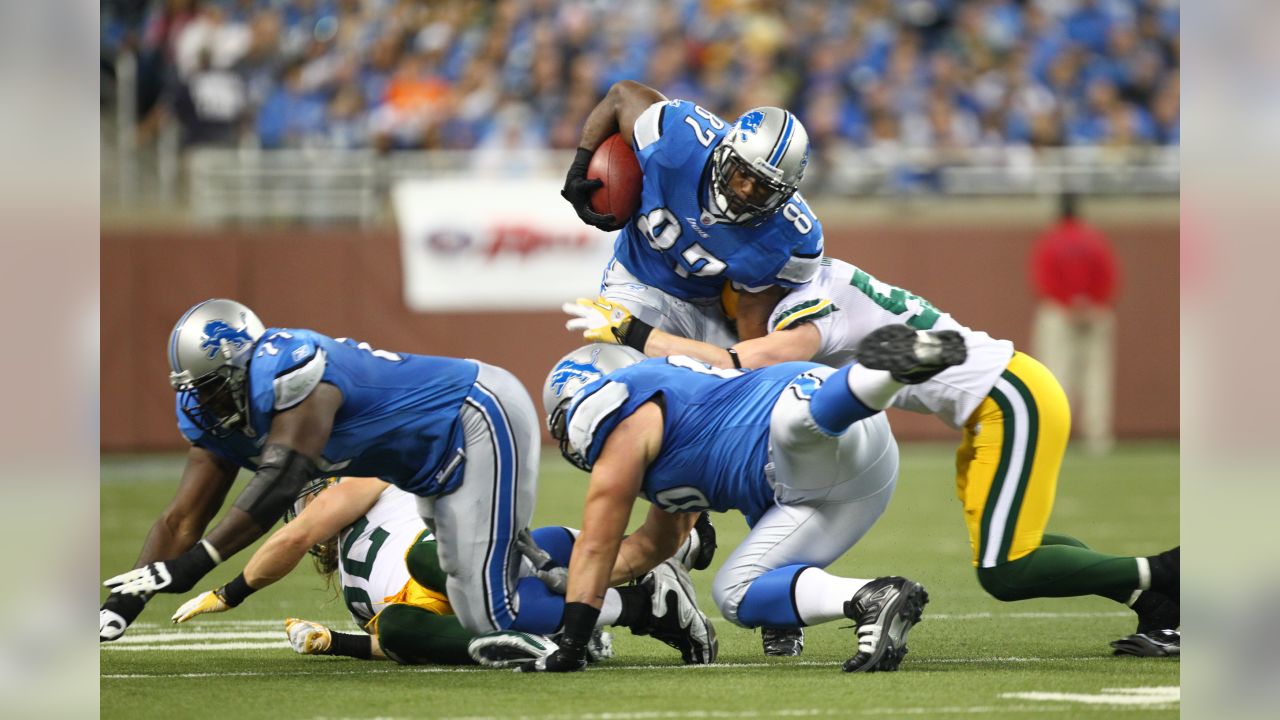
x=211 y=104
x=292 y=116
x=1017 y=73
x=1074 y=274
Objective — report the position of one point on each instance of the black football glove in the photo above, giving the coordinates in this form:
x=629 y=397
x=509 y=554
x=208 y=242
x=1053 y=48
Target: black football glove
x=577 y=190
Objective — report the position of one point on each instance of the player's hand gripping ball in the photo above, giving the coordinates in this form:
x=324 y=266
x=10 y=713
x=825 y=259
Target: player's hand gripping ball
x=615 y=165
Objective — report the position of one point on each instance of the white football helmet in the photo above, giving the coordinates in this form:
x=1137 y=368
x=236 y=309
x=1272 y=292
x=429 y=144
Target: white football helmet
x=573 y=372
x=209 y=352
x=770 y=145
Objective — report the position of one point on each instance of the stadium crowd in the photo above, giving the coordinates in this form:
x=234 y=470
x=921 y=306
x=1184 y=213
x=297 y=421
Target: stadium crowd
x=878 y=75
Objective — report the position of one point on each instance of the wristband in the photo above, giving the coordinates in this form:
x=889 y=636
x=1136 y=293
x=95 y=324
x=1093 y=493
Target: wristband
x=579 y=622
x=733 y=355
x=636 y=334
x=235 y=592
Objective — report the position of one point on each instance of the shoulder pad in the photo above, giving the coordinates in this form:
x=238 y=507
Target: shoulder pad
x=648 y=127
x=296 y=363
x=592 y=410
x=800 y=269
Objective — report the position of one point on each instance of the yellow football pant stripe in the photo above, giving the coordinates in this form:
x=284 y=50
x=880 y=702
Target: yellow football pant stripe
x=1008 y=463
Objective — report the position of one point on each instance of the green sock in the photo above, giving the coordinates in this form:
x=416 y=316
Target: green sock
x=1120 y=596
x=1062 y=571
x=423 y=561
x=413 y=636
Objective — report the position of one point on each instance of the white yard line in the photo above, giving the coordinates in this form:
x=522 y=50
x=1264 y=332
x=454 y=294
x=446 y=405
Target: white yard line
x=160 y=637
x=1109 y=696
x=928 y=616
x=202 y=647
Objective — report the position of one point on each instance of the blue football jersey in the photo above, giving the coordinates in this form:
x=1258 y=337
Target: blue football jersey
x=399 y=415
x=672 y=243
x=715 y=436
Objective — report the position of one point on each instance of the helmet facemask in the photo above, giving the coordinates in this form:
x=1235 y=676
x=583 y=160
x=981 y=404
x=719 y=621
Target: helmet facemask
x=217 y=402
x=557 y=425
x=768 y=195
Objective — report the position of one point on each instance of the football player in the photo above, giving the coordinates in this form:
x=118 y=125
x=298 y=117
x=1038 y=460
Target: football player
x=719 y=203
x=719 y=210
x=369 y=534
x=293 y=405
x=781 y=445
x=1013 y=414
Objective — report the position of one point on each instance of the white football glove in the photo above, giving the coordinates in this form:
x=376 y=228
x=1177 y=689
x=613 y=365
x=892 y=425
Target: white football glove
x=141 y=581
x=306 y=637
x=600 y=320
x=110 y=625
x=205 y=602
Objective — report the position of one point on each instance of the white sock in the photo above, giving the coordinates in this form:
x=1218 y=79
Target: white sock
x=611 y=609
x=820 y=596
x=875 y=388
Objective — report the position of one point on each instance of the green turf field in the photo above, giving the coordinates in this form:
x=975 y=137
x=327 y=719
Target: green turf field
x=971 y=657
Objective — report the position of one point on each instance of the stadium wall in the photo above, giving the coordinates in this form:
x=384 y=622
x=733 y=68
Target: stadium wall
x=350 y=283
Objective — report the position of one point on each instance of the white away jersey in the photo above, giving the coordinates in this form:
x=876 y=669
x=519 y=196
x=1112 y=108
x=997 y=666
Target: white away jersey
x=845 y=304
x=371 y=553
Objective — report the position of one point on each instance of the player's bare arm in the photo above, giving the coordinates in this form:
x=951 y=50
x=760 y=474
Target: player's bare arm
x=656 y=540
x=617 y=113
x=206 y=479
x=298 y=436
x=322 y=518
x=602 y=320
x=297 y=440
x=754 y=309
x=614 y=486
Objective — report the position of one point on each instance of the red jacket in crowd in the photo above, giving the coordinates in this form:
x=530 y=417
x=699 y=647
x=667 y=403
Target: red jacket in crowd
x=1074 y=264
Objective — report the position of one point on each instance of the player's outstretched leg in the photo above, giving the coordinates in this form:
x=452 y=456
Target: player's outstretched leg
x=885 y=610
x=911 y=356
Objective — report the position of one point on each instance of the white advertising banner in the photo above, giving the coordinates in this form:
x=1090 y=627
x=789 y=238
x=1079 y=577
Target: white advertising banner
x=494 y=244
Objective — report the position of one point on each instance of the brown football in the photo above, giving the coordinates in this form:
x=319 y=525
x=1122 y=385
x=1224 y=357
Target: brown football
x=615 y=165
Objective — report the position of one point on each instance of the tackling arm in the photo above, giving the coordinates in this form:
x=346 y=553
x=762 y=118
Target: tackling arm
x=602 y=320
x=323 y=518
x=754 y=309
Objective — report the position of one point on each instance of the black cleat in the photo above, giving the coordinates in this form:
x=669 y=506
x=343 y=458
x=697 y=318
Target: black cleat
x=911 y=356
x=884 y=610
x=782 y=642
x=1156 y=643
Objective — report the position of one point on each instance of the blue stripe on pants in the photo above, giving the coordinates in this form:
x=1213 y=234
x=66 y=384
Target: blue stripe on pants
x=503 y=520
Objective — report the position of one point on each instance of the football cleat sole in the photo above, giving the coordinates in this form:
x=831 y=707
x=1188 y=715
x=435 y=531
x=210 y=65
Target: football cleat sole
x=911 y=356
x=508 y=648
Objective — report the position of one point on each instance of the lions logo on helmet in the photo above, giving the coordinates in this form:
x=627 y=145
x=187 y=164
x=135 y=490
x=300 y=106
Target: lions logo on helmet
x=217 y=332
x=569 y=376
x=208 y=354
x=770 y=146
